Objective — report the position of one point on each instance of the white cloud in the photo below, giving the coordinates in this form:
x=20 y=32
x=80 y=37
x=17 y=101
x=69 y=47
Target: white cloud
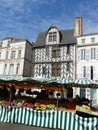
x=12 y=4
x=18 y=17
x=44 y=1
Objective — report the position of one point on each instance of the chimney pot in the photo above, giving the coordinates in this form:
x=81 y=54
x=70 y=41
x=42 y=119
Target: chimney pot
x=78 y=26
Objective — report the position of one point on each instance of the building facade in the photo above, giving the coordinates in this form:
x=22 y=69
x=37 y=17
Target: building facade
x=16 y=57
x=54 y=54
x=87 y=62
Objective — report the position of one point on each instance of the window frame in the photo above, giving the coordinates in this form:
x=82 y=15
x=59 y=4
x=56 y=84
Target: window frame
x=68 y=66
x=84 y=71
x=83 y=54
x=13 y=53
x=56 y=69
x=93 y=53
x=7 y=54
x=19 y=53
x=17 y=68
x=11 y=69
x=52 y=37
x=5 y=69
x=55 y=51
x=92 y=39
x=83 y=40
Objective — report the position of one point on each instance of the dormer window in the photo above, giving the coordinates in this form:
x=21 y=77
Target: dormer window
x=52 y=36
x=93 y=39
x=83 y=40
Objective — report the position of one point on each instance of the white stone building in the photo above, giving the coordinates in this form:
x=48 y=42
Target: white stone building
x=16 y=57
x=87 y=64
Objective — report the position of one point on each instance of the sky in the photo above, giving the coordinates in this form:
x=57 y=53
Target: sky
x=27 y=18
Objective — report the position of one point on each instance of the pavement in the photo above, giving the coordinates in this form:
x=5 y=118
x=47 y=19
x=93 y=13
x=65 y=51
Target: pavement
x=10 y=126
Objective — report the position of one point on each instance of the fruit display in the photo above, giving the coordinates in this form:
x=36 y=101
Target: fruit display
x=18 y=103
x=38 y=106
x=28 y=105
x=83 y=108
x=50 y=106
x=86 y=111
x=22 y=103
x=7 y=103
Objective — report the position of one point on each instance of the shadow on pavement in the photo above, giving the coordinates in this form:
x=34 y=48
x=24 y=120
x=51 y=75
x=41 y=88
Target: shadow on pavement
x=10 y=126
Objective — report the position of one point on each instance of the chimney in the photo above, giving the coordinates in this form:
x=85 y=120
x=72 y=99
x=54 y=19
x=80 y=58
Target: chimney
x=78 y=26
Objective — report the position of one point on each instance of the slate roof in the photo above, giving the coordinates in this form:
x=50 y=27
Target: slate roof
x=16 y=39
x=66 y=37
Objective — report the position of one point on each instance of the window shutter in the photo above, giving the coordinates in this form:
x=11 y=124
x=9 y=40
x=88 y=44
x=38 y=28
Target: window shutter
x=96 y=53
x=79 y=55
x=81 y=75
x=87 y=54
x=94 y=72
x=88 y=72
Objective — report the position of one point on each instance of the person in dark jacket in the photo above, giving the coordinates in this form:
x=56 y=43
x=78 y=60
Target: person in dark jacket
x=12 y=93
x=5 y=93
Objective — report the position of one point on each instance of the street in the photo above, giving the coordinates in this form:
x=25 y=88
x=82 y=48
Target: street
x=9 y=126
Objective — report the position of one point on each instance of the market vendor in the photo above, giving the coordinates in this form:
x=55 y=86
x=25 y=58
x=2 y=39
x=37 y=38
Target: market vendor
x=12 y=93
x=5 y=93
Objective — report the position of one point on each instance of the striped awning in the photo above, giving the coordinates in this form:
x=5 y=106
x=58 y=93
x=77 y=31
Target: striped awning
x=84 y=81
x=41 y=80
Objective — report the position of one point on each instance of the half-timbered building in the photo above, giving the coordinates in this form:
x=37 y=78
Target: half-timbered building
x=54 y=54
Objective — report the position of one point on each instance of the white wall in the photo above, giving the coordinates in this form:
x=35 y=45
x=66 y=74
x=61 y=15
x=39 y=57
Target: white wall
x=87 y=62
x=26 y=53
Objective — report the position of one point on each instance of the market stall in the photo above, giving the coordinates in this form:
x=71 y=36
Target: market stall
x=46 y=118
x=44 y=112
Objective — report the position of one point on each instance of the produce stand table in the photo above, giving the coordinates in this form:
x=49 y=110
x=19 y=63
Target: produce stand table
x=47 y=118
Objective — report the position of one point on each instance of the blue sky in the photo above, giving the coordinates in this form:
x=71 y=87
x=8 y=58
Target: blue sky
x=26 y=18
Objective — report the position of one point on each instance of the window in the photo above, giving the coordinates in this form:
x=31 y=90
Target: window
x=8 y=44
x=47 y=51
x=83 y=54
x=0 y=55
x=68 y=49
x=13 y=55
x=7 y=55
x=83 y=40
x=84 y=71
x=19 y=54
x=11 y=69
x=68 y=66
x=56 y=69
x=5 y=69
x=93 y=53
x=44 y=70
x=92 y=72
x=55 y=51
x=17 y=69
x=1 y=44
x=82 y=92
x=52 y=36
x=93 y=39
